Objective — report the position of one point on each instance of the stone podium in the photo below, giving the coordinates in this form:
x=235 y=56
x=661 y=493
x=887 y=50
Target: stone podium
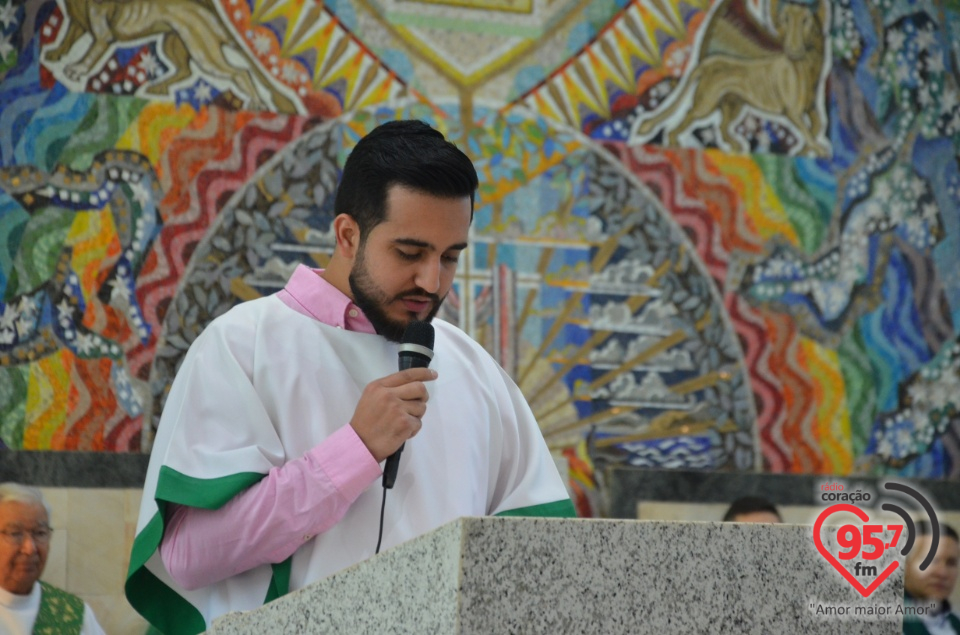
x=545 y=575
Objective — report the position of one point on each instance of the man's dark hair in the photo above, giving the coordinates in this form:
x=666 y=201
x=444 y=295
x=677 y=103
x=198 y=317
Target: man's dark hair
x=407 y=153
x=750 y=505
x=924 y=528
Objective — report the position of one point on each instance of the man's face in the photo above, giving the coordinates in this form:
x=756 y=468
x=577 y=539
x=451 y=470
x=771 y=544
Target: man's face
x=22 y=562
x=937 y=582
x=404 y=268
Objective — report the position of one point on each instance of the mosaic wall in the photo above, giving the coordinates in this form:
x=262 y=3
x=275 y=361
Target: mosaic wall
x=709 y=235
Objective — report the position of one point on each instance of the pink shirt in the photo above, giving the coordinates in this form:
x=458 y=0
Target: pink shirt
x=269 y=521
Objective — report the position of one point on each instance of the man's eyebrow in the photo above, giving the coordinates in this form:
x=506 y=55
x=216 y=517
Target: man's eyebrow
x=413 y=242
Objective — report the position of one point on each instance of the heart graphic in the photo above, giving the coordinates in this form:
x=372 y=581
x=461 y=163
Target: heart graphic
x=862 y=515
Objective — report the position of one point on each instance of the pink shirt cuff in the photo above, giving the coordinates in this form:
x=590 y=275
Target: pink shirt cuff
x=346 y=461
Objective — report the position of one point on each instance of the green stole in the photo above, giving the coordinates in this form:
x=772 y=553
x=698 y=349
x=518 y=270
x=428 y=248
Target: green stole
x=915 y=626
x=60 y=613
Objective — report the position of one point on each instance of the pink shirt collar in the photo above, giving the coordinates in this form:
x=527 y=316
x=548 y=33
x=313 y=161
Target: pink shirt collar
x=309 y=294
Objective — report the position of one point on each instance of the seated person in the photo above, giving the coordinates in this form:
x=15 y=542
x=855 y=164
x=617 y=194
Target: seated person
x=933 y=586
x=27 y=605
x=752 y=509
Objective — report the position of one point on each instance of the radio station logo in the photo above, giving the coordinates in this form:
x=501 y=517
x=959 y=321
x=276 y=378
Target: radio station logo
x=862 y=547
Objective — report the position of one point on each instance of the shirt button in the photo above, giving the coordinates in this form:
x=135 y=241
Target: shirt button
x=307 y=537
x=353 y=313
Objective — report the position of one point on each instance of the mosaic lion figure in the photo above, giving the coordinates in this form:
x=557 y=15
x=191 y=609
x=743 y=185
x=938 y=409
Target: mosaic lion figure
x=781 y=82
x=190 y=30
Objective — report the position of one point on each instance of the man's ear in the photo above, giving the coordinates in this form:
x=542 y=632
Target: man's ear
x=347 y=235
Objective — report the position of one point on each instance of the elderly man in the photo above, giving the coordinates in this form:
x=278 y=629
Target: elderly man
x=26 y=604
x=932 y=586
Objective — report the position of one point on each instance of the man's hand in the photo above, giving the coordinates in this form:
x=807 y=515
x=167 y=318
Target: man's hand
x=390 y=409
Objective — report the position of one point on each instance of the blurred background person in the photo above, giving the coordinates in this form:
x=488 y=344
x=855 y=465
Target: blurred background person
x=933 y=586
x=26 y=604
x=752 y=509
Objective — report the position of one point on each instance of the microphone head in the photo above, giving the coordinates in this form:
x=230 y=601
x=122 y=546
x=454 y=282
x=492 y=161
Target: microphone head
x=416 y=348
x=419 y=333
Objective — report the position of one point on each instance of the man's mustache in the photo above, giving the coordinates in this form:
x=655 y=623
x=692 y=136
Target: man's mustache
x=420 y=293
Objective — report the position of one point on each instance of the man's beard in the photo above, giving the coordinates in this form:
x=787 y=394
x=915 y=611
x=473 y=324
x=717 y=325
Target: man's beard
x=372 y=300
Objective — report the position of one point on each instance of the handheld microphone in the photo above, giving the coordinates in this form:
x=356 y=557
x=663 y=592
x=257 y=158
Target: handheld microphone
x=416 y=351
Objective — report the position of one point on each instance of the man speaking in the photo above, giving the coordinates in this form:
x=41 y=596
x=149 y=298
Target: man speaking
x=265 y=472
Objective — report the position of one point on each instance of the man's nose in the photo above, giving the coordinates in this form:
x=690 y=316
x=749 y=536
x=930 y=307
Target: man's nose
x=428 y=274
x=29 y=544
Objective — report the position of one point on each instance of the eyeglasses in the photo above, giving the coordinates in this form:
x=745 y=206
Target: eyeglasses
x=39 y=536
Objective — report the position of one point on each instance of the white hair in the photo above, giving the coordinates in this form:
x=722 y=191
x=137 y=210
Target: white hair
x=11 y=492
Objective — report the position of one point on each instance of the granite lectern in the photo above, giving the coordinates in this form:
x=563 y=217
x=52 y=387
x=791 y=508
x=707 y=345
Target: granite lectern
x=543 y=575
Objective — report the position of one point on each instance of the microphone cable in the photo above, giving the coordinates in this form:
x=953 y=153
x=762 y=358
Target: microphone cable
x=416 y=351
x=383 y=506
